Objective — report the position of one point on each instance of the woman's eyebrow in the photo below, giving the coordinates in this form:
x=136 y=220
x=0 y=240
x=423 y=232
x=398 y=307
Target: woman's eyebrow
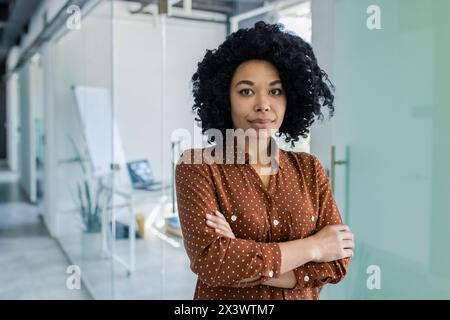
x=275 y=82
x=250 y=83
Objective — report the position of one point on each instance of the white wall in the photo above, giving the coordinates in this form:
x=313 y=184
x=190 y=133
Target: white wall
x=16 y=162
x=80 y=57
x=27 y=143
x=51 y=7
x=133 y=72
x=12 y=112
x=50 y=163
x=322 y=42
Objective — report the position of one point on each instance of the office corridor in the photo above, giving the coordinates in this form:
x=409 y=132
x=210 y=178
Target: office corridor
x=32 y=266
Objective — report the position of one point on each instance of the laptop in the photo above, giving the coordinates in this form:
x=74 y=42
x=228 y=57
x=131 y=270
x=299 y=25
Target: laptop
x=141 y=175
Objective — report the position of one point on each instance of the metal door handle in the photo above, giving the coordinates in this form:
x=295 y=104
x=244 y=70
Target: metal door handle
x=334 y=163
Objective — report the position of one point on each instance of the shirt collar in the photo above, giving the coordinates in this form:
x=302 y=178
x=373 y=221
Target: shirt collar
x=239 y=156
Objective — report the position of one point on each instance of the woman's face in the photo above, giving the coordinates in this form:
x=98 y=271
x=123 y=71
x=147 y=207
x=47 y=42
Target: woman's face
x=258 y=100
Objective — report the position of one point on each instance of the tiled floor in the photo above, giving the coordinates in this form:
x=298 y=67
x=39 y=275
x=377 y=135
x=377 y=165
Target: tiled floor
x=162 y=270
x=32 y=265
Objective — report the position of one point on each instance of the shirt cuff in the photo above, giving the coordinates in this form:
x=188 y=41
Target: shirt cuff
x=270 y=254
x=312 y=275
x=271 y=261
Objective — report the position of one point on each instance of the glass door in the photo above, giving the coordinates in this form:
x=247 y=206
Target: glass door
x=390 y=136
x=84 y=144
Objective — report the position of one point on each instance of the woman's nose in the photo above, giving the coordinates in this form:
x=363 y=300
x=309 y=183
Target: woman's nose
x=262 y=108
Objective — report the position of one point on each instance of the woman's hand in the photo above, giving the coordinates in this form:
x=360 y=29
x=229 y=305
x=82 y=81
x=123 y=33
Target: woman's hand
x=219 y=223
x=331 y=243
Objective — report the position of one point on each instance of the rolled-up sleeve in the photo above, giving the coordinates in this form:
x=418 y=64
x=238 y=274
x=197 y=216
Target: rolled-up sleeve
x=216 y=259
x=315 y=274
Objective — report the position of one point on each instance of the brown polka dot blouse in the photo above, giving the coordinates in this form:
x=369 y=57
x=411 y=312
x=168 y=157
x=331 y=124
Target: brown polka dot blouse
x=297 y=203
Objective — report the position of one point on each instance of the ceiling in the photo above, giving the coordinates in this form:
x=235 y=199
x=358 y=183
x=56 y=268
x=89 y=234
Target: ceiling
x=228 y=7
x=15 y=16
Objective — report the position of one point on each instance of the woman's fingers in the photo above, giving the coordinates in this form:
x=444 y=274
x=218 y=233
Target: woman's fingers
x=221 y=229
x=225 y=233
x=219 y=221
x=215 y=225
x=348 y=253
x=222 y=218
x=214 y=218
x=348 y=244
x=347 y=235
x=220 y=215
x=220 y=225
x=341 y=227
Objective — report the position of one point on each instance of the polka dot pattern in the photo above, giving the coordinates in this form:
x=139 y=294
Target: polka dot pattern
x=297 y=203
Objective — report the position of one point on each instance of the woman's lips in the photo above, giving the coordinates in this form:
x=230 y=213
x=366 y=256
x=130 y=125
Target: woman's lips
x=261 y=123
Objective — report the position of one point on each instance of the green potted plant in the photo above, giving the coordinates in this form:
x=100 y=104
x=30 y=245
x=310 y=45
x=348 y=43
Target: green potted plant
x=89 y=207
x=88 y=196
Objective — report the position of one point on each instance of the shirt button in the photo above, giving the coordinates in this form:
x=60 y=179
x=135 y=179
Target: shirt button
x=312 y=218
x=306 y=278
x=276 y=222
x=270 y=273
x=233 y=218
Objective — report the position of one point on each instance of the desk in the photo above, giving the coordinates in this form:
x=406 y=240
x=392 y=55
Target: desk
x=124 y=208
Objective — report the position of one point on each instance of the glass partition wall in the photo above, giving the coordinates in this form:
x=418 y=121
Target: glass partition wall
x=391 y=147
x=83 y=73
x=156 y=51
x=124 y=101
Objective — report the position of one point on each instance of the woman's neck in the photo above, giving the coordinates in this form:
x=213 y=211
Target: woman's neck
x=259 y=151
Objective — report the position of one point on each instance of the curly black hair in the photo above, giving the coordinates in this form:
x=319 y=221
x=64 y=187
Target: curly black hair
x=306 y=85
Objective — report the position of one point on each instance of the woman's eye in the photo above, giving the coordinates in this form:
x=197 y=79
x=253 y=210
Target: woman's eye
x=245 y=92
x=276 y=92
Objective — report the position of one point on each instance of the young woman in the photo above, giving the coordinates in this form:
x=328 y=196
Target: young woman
x=252 y=232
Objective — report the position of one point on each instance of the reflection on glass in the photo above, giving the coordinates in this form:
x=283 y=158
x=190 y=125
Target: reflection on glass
x=84 y=122
x=119 y=222
x=391 y=114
